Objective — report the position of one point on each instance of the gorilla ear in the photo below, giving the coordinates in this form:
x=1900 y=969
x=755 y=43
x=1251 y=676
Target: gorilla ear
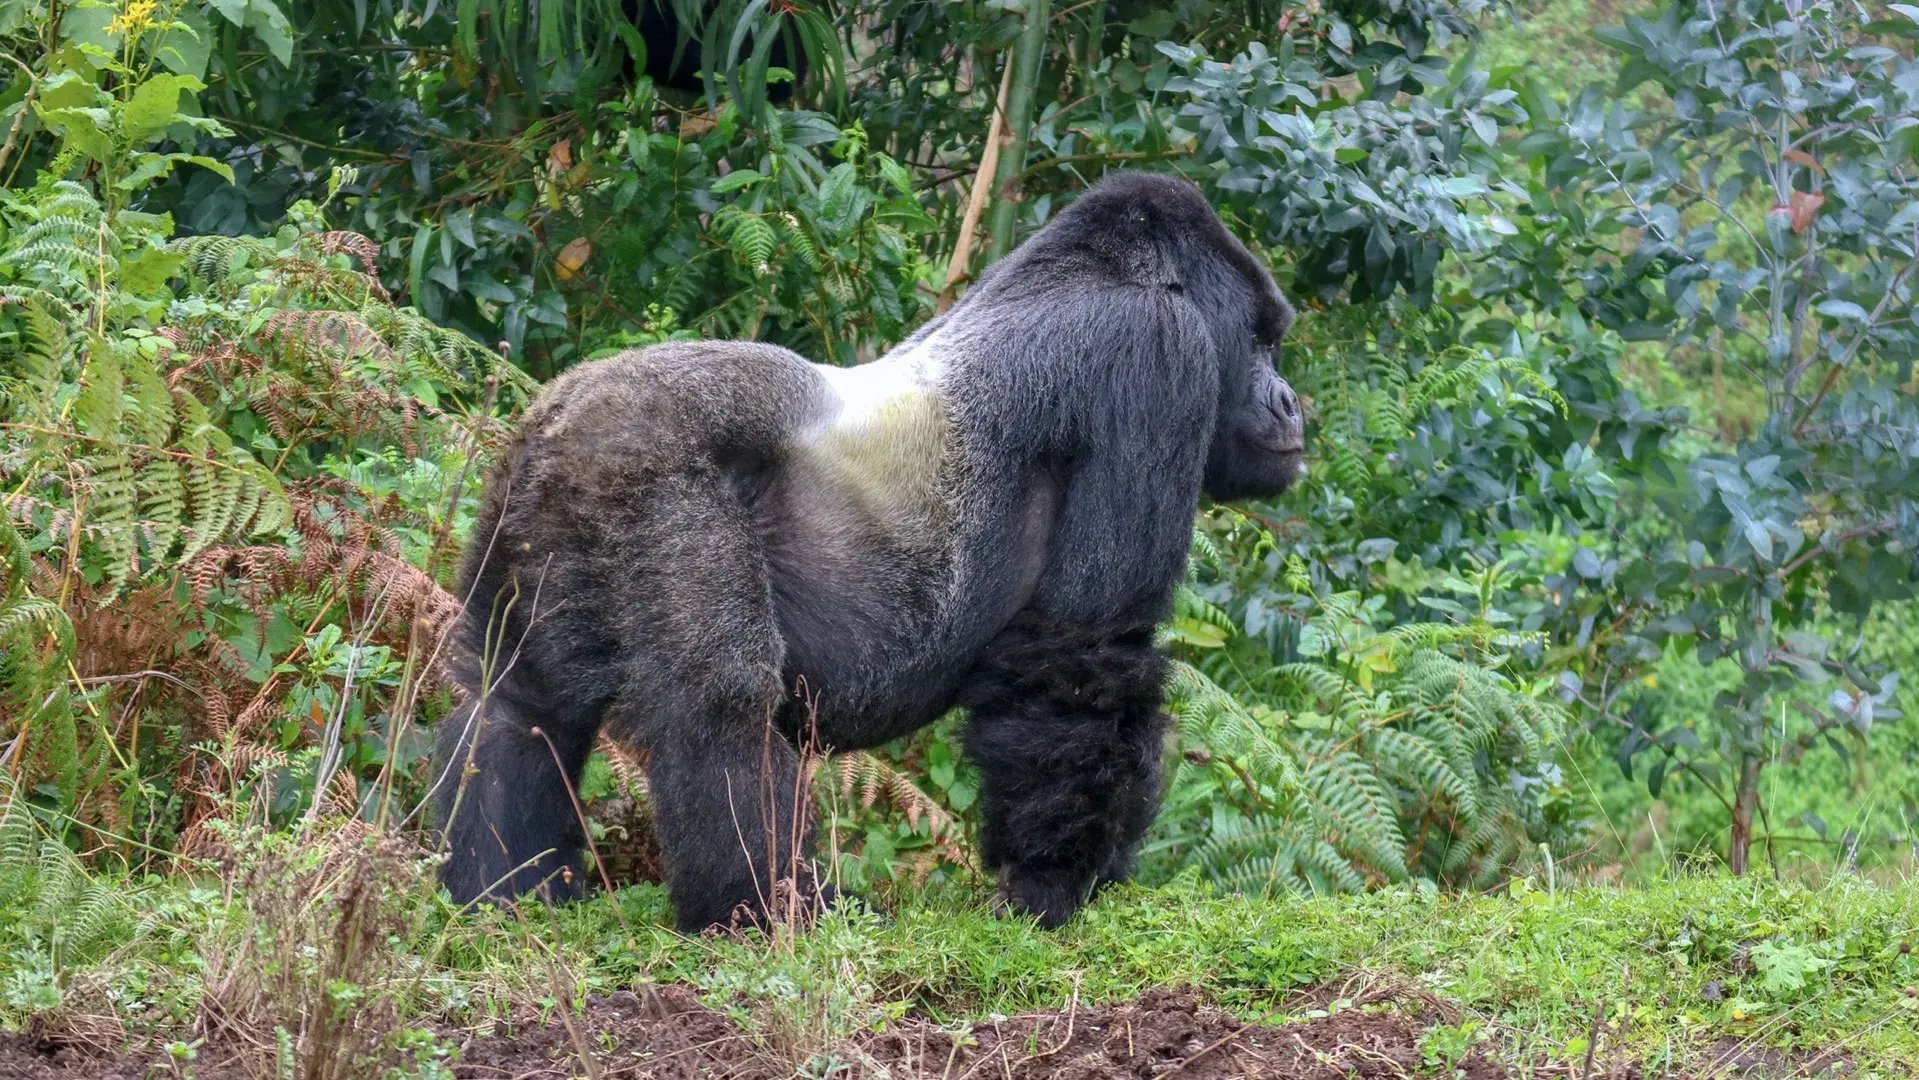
x=1274 y=318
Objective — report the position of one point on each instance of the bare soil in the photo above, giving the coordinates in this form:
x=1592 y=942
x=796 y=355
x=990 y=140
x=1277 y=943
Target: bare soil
x=664 y=1033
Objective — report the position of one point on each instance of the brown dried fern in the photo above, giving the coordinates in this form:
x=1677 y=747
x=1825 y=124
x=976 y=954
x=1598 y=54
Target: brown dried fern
x=874 y=782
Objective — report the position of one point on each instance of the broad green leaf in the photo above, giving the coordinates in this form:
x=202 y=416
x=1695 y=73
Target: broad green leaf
x=146 y=273
x=270 y=25
x=735 y=180
x=189 y=45
x=86 y=25
x=1844 y=310
x=155 y=106
x=84 y=129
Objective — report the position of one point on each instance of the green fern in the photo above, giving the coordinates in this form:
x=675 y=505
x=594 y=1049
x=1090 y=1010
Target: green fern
x=101 y=442
x=144 y=473
x=1383 y=756
x=36 y=649
x=60 y=244
x=752 y=239
x=177 y=414
x=215 y=259
x=49 y=900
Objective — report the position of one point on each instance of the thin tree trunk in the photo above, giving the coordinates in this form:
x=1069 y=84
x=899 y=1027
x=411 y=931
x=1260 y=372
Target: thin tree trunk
x=1745 y=804
x=1029 y=54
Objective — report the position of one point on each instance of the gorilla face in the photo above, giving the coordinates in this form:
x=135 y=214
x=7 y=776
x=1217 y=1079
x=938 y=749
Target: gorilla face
x=1259 y=437
x=1154 y=231
x=1259 y=447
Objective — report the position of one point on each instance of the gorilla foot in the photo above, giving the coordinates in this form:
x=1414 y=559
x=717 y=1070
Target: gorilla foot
x=1052 y=898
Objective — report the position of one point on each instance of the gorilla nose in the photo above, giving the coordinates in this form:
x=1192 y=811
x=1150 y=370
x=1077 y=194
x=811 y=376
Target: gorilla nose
x=1286 y=400
x=1287 y=431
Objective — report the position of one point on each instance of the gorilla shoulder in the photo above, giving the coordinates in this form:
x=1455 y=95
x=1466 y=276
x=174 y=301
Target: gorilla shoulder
x=884 y=437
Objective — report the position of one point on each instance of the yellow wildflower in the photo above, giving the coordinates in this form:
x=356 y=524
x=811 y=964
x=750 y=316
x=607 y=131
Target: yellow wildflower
x=135 y=17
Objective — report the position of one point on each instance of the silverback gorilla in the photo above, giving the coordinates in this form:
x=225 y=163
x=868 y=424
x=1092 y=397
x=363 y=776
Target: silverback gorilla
x=718 y=551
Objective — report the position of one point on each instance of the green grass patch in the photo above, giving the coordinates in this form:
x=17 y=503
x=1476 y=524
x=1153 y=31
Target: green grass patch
x=1668 y=974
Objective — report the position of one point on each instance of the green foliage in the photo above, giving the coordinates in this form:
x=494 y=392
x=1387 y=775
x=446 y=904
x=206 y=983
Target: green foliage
x=827 y=251
x=1769 y=213
x=205 y=445
x=57 y=917
x=1379 y=756
x=112 y=461
x=1375 y=191
x=36 y=647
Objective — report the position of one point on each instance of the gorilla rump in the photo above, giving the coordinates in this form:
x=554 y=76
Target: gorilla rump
x=719 y=550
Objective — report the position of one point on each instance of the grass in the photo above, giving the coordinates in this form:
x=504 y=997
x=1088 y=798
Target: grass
x=1686 y=962
x=1682 y=969
x=1552 y=40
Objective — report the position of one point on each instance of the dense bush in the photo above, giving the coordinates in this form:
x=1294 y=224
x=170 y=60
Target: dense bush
x=234 y=468
x=249 y=254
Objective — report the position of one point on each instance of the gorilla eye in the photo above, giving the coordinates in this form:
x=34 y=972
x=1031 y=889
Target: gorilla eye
x=1175 y=288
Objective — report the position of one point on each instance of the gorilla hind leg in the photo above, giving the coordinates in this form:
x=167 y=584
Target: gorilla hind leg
x=508 y=765
x=703 y=696
x=1067 y=731
x=734 y=817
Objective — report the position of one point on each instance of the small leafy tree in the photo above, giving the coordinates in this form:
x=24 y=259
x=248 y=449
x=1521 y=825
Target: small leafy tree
x=1769 y=207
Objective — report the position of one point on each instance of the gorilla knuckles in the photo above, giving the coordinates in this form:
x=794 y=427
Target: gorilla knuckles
x=718 y=551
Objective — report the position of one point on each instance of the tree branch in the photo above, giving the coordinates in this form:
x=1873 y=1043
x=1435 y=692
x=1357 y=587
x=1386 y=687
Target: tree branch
x=957 y=268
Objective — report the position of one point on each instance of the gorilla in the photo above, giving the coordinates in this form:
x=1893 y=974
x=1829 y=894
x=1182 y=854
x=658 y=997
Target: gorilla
x=675 y=55
x=720 y=552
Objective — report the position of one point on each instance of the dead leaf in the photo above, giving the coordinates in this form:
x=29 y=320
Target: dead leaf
x=1804 y=208
x=560 y=157
x=695 y=125
x=572 y=257
x=1800 y=157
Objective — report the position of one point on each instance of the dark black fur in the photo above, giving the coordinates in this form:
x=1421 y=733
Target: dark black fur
x=1066 y=730
x=696 y=544
x=675 y=55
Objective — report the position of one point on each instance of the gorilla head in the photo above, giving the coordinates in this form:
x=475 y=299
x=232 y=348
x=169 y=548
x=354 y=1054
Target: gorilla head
x=717 y=552
x=1159 y=232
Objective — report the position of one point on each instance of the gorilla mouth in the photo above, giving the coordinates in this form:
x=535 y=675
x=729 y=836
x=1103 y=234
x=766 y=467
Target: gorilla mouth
x=1292 y=462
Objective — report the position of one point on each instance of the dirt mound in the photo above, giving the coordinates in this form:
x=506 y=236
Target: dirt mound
x=661 y=1033
x=666 y=1034
x=1164 y=1033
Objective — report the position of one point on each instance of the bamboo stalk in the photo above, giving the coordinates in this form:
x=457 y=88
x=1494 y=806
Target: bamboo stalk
x=1029 y=54
x=956 y=270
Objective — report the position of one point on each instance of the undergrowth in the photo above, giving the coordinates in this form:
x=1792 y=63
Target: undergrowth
x=287 y=932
